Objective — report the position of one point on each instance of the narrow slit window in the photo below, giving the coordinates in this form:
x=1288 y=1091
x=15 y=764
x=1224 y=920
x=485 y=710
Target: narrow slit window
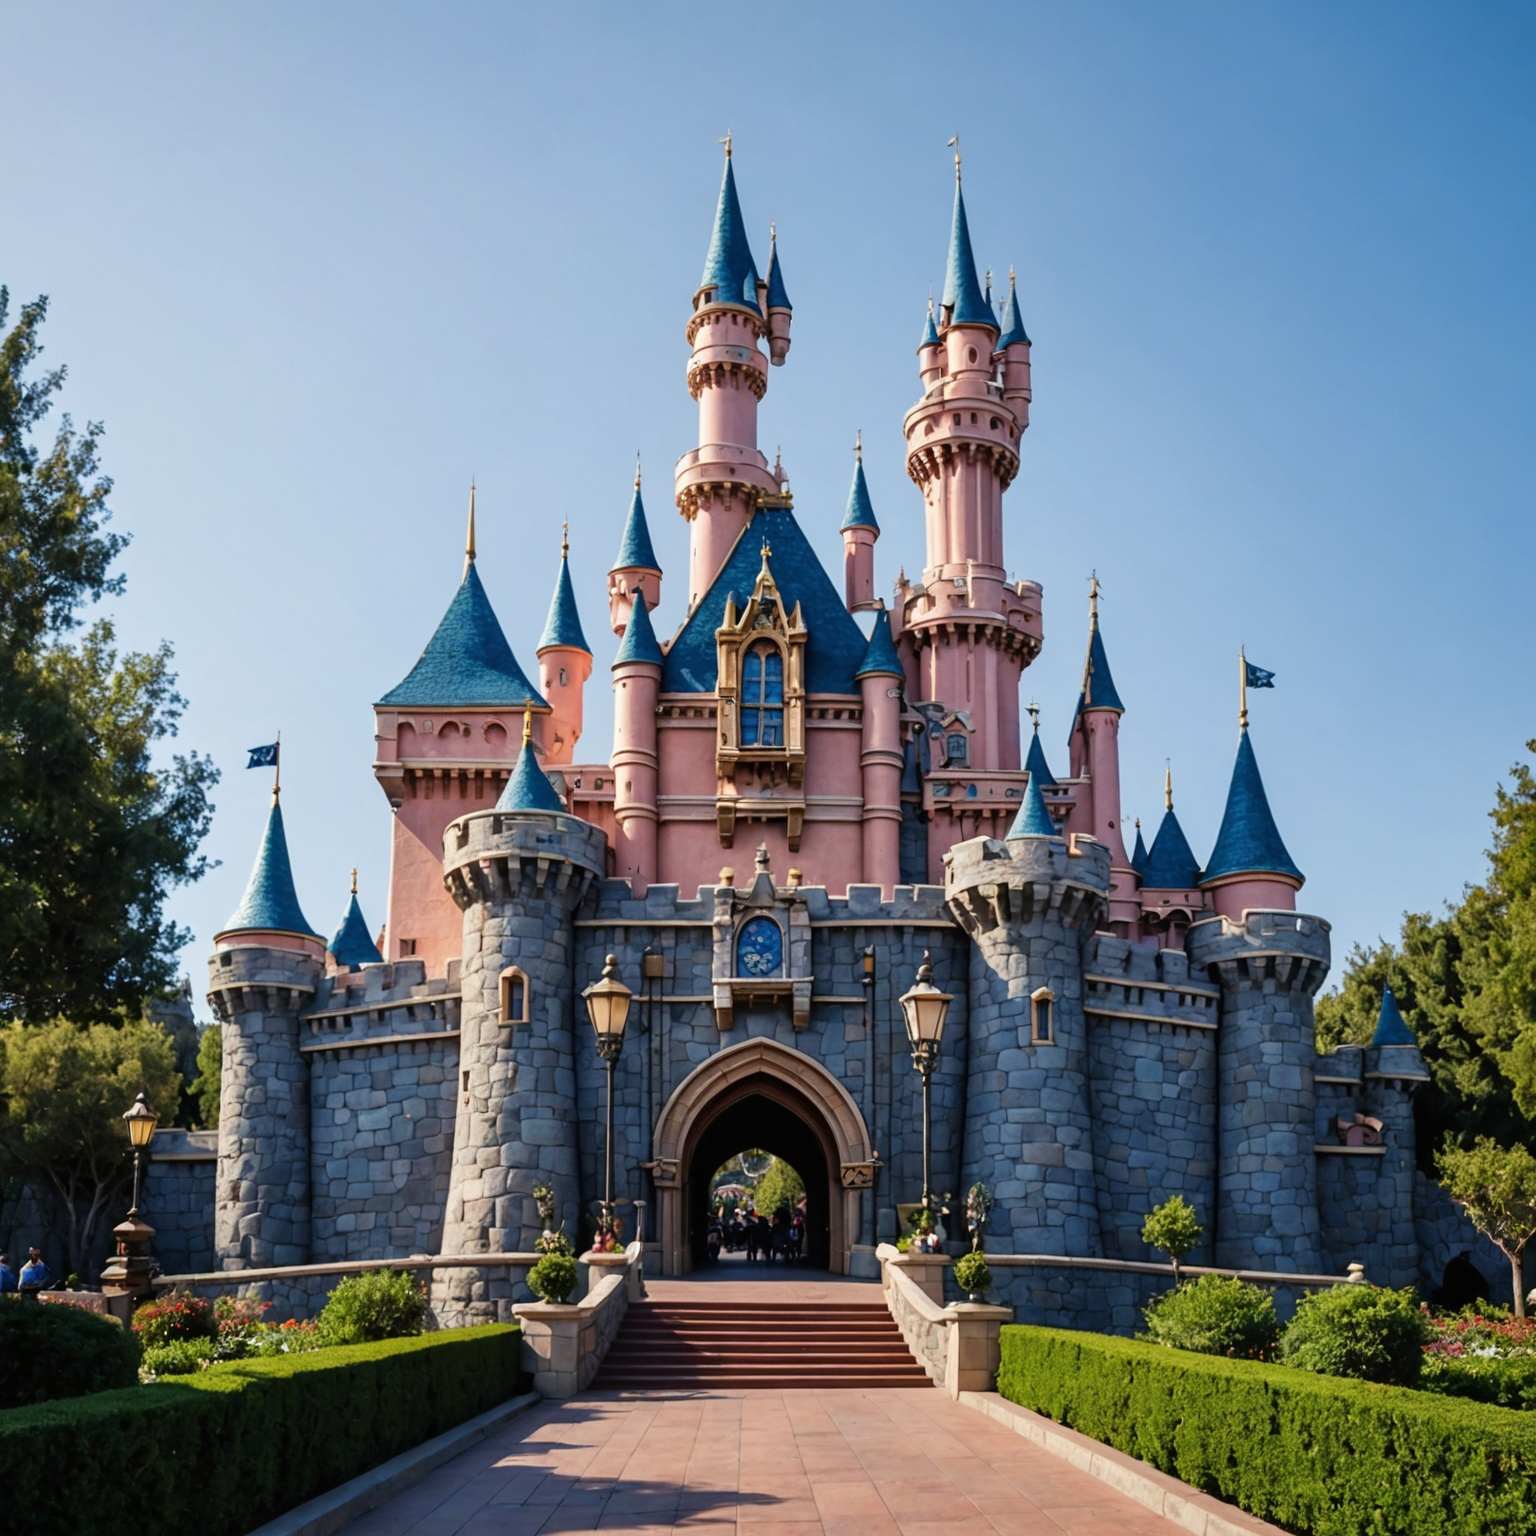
x=1042 y=1020
x=514 y=996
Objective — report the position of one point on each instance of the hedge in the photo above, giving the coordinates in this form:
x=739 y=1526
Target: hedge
x=231 y=1447
x=1317 y=1454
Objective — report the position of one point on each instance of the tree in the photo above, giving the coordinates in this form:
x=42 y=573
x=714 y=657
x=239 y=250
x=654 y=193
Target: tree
x=1173 y=1227
x=93 y=833
x=1496 y=1187
x=210 y=1069
x=63 y=1090
x=779 y=1186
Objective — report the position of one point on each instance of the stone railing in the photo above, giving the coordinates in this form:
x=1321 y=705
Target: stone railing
x=564 y=1343
x=1355 y=1275
x=957 y=1345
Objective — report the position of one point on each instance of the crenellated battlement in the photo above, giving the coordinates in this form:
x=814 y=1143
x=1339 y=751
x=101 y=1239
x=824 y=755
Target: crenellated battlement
x=382 y=1002
x=1293 y=950
x=492 y=854
x=990 y=883
x=1122 y=980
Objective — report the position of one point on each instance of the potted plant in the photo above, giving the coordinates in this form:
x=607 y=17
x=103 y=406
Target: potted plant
x=553 y=1278
x=973 y=1275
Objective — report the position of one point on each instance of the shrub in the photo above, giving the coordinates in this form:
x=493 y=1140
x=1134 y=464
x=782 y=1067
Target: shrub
x=972 y=1274
x=1509 y=1382
x=382 y=1304
x=553 y=1278
x=235 y=1445
x=1174 y=1227
x=1215 y=1315
x=1357 y=1330
x=180 y=1357
x=176 y=1316
x=1312 y=1453
x=54 y=1351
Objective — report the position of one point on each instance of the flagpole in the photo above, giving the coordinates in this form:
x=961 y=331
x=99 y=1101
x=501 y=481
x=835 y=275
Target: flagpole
x=277 y=768
x=1242 y=690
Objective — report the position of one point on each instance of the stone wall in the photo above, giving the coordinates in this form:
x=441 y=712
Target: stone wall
x=177 y=1198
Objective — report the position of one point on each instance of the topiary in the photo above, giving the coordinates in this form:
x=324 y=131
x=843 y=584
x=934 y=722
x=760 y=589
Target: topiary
x=55 y=1351
x=383 y=1304
x=1174 y=1227
x=179 y=1315
x=1357 y=1330
x=553 y=1278
x=181 y=1357
x=1215 y=1315
x=972 y=1274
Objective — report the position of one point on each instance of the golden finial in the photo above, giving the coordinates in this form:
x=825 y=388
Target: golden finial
x=1093 y=599
x=1242 y=689
x=1167 y=784
x=858 y=445
x=277 y=769
x=1013 y=277
x=527 y=725
x=778 y=465
x=773 y=234
x=637 y=469
x=469 y=538
x=954 y=144
x=767 y=553
x=727 y=142
x=1033 y=707
x=565 y=538
x=354 y=880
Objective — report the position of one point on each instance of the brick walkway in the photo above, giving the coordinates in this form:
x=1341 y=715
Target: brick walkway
x=846 y=1463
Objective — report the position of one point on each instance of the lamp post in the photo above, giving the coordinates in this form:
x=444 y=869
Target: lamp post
x=130 y=1270
x=608 y=1001
x=142 y=1122
x=925 y=1010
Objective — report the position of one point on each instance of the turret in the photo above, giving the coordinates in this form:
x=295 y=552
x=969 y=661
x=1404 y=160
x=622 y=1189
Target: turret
x=266 y=966
x=1139 y=854
x=719 y=482
x=635 y=568
x=879 y=678
x=1394 y=1071
x=1249 y=867
x=517 y=873
x=968 y=326
x=351 y=945
x=565 y=664
x=780 y=310
x=1170 y=877
x=636 y=691
x=859 y=530
x=930 y=351
x=1013 y=350
x=1035 y=764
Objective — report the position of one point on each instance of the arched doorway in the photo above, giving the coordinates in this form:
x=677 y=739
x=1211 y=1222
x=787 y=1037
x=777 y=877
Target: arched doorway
x=764 y=1094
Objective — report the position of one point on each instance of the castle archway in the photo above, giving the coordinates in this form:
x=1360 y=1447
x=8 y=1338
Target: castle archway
x=760 y=1093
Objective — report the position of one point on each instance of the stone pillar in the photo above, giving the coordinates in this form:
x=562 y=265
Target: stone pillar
x=261 y=1212
x=518 y=877
x=1269 y=967
x=1030 y=907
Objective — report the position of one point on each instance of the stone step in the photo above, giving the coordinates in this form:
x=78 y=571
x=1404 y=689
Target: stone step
x=777 y=1377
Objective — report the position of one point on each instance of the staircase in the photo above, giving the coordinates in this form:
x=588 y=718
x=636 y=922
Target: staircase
x=700 y=1345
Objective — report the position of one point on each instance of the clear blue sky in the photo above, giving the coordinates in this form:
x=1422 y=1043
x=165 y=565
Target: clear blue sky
x=314 y=266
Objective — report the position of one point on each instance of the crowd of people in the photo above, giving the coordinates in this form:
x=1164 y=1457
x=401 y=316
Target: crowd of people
x=760 y=1237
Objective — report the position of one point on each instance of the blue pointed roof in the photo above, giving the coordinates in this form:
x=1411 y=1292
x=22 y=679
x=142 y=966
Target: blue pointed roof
x=778 y=294
x=1035 y=764
x=351 y=944
x=1171 y=865
x=467 y=661
x=835 y=645
x=1013 y=321
x=930 y=328
x=270 y=901
x=861 y=510
x=1139 y=854
x=639 y=642
x=1391 y=1027
x=963 y=302
x=1249 y=842
x=880 y=655
x=728 y=266
x=1033 y=820
x=529 y=789
x=563 y=625
x=635 y=551
x=1099 y=691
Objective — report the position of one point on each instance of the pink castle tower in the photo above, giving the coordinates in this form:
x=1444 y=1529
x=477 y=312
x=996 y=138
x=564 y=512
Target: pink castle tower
x=859 y=530
x=565 y=664
x=635 y=567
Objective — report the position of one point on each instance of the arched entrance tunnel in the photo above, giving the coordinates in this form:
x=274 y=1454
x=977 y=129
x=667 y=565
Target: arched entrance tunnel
x=764 y=1113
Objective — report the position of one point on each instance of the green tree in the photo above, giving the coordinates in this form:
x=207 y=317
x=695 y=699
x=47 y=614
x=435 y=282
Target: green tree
x=780 y=1185
x=1496 y=1187
x=63 y=1090
x=210 y=1069
x=92 y=832
x=1174 y=1227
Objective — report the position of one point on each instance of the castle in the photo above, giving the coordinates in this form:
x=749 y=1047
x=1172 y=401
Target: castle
x=796 y=808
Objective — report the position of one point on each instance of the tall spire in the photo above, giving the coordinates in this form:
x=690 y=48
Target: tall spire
x=729 y=268
x=639 y=642
x=1249 y=842
x=1139 y=855
x=930 y=327
x=860 y=512
x=963 y=302
x=528 y=789
x=1034 y=818
x=1171 y=865
x=1035 y=764
x=1098 y=691
x=1013 y=321
x=352 y=945
x=270 y=901
x=778 y=294
x=635 y=550
x=563 y=625
x=469 y=536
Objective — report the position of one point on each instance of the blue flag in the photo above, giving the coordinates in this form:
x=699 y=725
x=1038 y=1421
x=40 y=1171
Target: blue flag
x=1258 y=677
x=263 y=757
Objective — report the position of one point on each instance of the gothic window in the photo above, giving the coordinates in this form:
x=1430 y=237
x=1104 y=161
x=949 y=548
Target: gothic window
x=762 y=697
x=957 y=749
x=514 y=996
x=1042 y=1024
x=760 y=948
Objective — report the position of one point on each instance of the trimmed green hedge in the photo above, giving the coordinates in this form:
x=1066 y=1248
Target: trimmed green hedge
x=229 y=1448
x=1319 y=1454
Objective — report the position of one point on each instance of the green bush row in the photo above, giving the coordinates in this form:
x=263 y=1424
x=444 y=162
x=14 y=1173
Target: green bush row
x=231 y=1447
x=1318 y=1454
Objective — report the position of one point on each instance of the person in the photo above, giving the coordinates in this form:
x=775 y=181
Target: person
x=7 y=1276
x=35 y=1275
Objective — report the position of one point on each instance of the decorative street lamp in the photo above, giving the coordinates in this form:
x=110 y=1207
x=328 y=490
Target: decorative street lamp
x=608 y=1001
x=130 y=1270
x=142 y=1122
x=925 y=1010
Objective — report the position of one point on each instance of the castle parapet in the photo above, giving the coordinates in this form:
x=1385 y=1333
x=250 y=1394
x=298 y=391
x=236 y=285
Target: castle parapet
x=990 y=883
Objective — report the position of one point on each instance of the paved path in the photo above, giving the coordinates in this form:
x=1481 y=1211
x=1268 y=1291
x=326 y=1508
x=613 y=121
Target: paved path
x=850 y=1463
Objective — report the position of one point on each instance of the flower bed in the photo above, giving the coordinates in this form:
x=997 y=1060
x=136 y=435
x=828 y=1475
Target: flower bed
x=1322 y=1455
x=226 y=1449
x=1490 y=1357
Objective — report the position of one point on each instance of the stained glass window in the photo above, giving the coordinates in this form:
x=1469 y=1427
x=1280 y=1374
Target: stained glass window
x=762 y=697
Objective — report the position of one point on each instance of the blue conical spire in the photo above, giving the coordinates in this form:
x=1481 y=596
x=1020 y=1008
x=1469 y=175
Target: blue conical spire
x=1035 y=764
x=728 y=266
x=880 y=655
x=270 y=901
x=1171 y=865
x=563 y=625
x=861 y=510
x=1139 y=853
x=351 y=945
x=639 y=642
x=778 y=294
x=1013 y=321
x=1033 y=820
x=963 y=302
x=1249 y=842
x=1391 y=1027
x=635 y=551
x=930 y=327
x=529 y=789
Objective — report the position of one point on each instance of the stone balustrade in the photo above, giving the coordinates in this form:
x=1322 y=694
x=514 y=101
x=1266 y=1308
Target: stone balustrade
x=957 y=1345
x=564 y=1343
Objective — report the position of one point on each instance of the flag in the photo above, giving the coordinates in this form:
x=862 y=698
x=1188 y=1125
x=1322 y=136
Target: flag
x=263 y=757
x=1257 y=677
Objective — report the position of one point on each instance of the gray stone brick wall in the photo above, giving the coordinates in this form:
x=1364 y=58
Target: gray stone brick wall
x=177 y=1198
